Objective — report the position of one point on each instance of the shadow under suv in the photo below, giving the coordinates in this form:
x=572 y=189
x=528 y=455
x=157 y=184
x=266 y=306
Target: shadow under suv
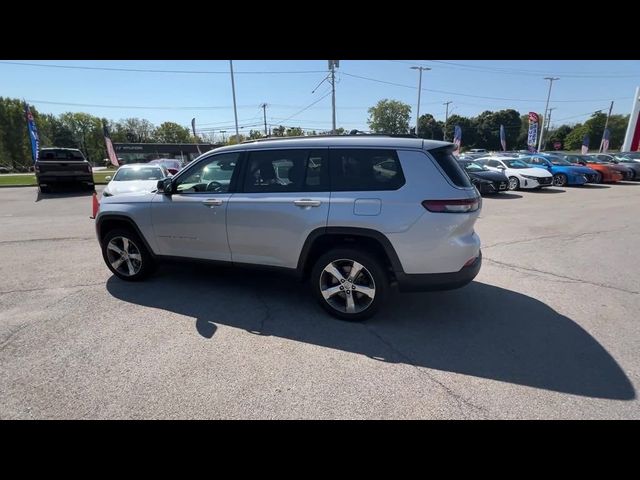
x=352 y=214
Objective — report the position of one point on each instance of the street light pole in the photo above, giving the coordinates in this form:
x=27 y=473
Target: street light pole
x=551 y=80
x=419 y=91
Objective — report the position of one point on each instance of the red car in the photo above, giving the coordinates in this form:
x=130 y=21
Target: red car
x=173 y=165
x=607 y=172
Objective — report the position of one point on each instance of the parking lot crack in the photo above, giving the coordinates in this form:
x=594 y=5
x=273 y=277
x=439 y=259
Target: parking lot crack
x=544 y=237
x=41 y=289
x=459 y=399
x=31 y=240
x=521 y=269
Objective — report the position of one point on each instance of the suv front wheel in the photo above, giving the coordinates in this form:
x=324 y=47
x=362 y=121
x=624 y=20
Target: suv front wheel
x=126 y=256
x=349 y=284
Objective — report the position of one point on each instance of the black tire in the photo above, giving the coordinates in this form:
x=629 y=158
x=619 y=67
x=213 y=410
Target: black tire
x=559 y=180
x=141 y=268
x=372 y=276
x=598 y=177
x=511 y=182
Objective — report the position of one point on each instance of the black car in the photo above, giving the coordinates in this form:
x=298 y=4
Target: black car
x=485 y=180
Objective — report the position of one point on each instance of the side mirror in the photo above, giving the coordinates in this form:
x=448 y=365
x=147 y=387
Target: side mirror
x=165 y=186
x=107 y=178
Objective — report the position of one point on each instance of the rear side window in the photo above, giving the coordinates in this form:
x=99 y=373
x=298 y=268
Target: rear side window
x=365 y=170
x=286 y=171
x=450 y=166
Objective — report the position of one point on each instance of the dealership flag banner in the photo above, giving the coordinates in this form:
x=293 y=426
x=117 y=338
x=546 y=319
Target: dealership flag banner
x=503 y=139
x=110 y=151
x=457 y=139
x=33 y=133
x=532 y=138
x=585 y=144
x=605 y=140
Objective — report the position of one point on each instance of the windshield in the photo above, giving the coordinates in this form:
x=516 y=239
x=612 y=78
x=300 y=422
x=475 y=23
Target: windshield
x=558 y=161
x=474 y=167
x=142 y=173
x=515 y=164
x=167 y=163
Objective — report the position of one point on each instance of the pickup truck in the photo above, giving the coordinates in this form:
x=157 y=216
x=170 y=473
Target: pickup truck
x=62 y=165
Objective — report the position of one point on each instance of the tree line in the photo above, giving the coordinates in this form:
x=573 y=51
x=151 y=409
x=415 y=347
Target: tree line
x=483 y=130
x=84 y=131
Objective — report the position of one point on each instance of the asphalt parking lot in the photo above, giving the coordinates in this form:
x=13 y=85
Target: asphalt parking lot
x=549 y=329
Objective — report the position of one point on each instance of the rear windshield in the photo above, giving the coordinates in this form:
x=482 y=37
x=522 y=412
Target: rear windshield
x=144 y=173
x=448 y=163
x=57 y=155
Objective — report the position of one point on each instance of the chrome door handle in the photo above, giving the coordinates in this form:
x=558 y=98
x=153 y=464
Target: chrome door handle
x=307 y=203
x=212 y=202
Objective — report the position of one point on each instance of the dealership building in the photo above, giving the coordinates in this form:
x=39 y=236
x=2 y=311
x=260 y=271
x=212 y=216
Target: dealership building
x=144 y=152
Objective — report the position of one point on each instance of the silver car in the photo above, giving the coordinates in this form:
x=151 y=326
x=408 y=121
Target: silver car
x=352 y=214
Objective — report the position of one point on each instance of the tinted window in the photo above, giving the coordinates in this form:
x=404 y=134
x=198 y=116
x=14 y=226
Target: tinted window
x=365 y=170
x=58 y=155
x=448 y=163
x=286 y=171
x=211 y=175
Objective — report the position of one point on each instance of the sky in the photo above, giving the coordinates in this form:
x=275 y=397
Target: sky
x=297 y=95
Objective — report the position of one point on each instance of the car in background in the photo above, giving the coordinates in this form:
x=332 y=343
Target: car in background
x=173 y=165
x=485 y=180
x=4 y=169
x=135 y=178
x=478 y=150
x=627 y=173
x=621 y=160
x=635 y=156
x=605 y=170
x=56 y=166
x=563 y=171
x=520 y=174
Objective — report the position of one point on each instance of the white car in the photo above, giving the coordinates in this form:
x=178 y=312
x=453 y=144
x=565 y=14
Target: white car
x=137 y=177
x=520 y=174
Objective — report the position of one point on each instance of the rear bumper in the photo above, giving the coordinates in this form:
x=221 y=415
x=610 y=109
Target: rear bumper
x=51 y=179
x=438 y=281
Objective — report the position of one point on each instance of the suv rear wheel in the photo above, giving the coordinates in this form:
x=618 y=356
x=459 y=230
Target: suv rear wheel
x=349 y=284
x=126 y=256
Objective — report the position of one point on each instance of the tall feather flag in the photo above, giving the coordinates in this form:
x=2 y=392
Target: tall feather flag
x=585 y=144
x=33 y=132
x=605 y=140
x=110 y=151
x=532 y=136
x=503 y=139
x=457 y=139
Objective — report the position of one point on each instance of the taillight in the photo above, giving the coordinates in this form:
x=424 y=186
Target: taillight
x=464 y=205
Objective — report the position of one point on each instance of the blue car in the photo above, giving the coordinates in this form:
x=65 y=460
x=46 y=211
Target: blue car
x=564 y=172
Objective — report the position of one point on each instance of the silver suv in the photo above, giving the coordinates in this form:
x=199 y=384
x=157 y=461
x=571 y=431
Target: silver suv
x=353 y=214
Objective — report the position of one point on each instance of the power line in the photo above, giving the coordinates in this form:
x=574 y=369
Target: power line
x=146 y=70
x=221 y=107
x=475 y=96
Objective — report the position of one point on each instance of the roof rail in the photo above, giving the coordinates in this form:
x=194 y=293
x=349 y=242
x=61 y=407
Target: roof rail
x=352 y=133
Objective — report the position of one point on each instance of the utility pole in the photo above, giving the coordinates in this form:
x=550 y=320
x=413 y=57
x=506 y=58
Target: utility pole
x=446 y=118
x=606 y=124
x=421 y=69
x=333 y=64
x=264 y=111
x=551 y=80
x=235 y=110
x=224 y=139
x=548 y=121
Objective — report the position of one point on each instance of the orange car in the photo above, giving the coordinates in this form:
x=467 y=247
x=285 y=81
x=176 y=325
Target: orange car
x=606 y=171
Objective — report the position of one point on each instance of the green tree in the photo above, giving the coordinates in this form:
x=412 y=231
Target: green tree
x=233 y=139
x=255 y=134
x=573 y=140
x=294 y=132
x=170 y=132
x=133 y=130
x=15 y=136
x=488 y=128
x=429 y=127
x=389 y=116
x=558 y=135
x=86 y=131
x=594 y=127
x=279 y=131
x=468 y=127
